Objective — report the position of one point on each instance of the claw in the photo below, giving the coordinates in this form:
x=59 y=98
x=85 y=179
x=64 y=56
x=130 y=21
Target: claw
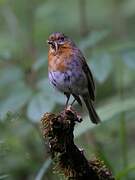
x=70 y=108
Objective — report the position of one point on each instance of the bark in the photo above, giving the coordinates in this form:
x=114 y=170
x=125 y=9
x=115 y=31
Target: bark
x=69 y=159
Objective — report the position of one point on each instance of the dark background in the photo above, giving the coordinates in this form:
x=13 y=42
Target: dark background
x=105 y=32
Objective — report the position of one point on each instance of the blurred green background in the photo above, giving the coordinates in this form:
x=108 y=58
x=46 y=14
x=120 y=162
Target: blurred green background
x=105 y=32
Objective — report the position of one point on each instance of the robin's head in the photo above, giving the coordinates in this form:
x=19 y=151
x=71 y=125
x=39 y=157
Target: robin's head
x=58 y=40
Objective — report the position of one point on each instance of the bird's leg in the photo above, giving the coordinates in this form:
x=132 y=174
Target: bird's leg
x=68 y=97
x=77 y=98
x=73 y=102
x=70 y=108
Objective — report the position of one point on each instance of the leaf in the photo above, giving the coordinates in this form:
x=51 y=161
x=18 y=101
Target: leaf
x=44 y=86
x=16 y=99
x=40 y=62
x=129 y=58
x=44 y=101
x=93 y=38
x=45 y=9
x=2 y=2
x=112 y=108
x=124 y=172
x=123 y=76
x=129 y=8
x=43 y=169
x=4 y=176
x=101 y=65
x=9 y=75
x=5 y=55
x=39 y=104
x=7 y=44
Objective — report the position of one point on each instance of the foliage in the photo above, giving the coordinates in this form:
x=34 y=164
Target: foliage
x=108 y=43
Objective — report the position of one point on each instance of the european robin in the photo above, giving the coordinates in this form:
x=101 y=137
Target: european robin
x=69 y=73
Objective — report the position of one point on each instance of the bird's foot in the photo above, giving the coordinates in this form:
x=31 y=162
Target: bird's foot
x=70 y=108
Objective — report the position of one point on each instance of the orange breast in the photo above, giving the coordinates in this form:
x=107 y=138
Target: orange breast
x=59 y=61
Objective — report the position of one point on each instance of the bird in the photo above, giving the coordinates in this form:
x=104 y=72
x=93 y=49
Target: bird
x=69 y=72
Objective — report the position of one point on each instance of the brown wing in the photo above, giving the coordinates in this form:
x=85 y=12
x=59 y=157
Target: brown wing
x=91 y=84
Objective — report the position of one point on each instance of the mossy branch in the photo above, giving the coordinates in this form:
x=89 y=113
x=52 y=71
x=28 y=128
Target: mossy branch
x=70 y=160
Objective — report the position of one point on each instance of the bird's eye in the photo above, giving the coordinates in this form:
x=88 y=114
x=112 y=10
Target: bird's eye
x=62 y=38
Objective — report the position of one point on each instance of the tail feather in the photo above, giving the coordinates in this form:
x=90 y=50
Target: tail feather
x=92 y=113
x=77 y=98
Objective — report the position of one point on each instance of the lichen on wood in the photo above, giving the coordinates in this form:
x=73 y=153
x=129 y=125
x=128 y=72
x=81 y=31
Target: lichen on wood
x=69 y=159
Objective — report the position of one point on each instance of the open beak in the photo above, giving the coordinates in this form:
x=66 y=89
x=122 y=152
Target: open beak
x=53 y=44
x=56 y=46
x=49 y=42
